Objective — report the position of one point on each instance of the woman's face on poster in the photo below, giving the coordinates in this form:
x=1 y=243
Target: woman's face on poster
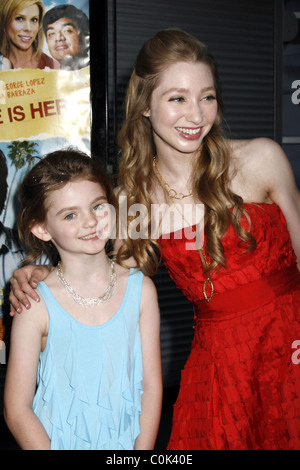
x=24 y=27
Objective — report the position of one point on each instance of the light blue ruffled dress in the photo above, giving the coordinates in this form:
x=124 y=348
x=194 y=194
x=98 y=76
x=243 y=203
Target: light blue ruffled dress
x=89 y=383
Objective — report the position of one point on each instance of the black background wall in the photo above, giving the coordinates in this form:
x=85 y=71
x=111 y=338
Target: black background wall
x=291 y=85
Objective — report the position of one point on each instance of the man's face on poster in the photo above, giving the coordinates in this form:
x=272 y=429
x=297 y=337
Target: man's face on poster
x=63 y=38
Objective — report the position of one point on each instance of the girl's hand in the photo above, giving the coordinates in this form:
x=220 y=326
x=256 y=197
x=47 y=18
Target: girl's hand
x=23 y=284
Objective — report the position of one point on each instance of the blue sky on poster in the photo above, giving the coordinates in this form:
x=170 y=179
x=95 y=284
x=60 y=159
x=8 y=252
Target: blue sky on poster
x=81 y=4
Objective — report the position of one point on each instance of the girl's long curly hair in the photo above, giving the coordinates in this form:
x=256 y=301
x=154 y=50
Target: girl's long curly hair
x=211 y=175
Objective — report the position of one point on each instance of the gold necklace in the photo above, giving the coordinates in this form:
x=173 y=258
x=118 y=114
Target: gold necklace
x=208 y=279
x=173 y=194
x=206 y=264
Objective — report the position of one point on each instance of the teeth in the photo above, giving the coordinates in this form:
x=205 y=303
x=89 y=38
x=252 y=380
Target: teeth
x=88 y=236
x=189 y=131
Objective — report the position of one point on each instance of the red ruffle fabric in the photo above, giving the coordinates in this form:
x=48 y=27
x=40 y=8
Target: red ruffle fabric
x=240 y=388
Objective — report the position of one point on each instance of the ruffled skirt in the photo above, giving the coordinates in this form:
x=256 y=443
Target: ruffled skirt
x=240 y=388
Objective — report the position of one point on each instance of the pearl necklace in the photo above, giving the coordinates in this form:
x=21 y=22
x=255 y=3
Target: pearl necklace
x=90 y=302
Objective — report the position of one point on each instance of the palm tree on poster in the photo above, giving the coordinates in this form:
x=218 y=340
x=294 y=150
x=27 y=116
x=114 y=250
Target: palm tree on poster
x=21 y=154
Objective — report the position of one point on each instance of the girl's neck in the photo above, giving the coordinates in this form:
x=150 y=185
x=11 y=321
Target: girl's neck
x=175 y=162
x=176 y=170
x=90 y=268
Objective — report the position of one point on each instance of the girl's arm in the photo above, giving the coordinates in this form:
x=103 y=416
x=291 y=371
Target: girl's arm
x=152 y=382
x=281 y=187
x=23 y=284
x=27 y=337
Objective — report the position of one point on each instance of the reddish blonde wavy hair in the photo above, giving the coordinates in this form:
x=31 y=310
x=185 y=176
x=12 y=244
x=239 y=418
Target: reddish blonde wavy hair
x=211 y=175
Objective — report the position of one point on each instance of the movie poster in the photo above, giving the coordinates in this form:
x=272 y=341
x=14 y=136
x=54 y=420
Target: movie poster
x=44 y=104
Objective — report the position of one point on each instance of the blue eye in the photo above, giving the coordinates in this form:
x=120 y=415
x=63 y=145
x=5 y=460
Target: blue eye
x=177 y=99
x=209 y=98
x=69 y=216
x=98 y=207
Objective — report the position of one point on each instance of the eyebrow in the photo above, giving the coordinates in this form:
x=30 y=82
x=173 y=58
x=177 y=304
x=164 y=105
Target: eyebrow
x=185 y=90
x=73 y=208
x=64 y=24
x=34 y=17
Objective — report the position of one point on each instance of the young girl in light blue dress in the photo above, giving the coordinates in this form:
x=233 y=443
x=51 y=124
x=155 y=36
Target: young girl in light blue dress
x=84 y=368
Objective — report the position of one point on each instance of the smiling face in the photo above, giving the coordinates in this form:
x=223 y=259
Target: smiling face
x=63 y=38
x=78 y=219
x=183 y=108
x=24 y=27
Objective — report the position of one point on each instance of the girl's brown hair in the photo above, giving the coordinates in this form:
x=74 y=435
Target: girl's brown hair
x=211 y=175
x=53 y=172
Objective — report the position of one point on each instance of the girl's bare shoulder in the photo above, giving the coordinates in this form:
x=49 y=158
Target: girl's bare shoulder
x=257 y=164
x=255 y=149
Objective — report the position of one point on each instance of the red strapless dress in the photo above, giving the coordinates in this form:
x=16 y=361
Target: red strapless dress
x=240 y=387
